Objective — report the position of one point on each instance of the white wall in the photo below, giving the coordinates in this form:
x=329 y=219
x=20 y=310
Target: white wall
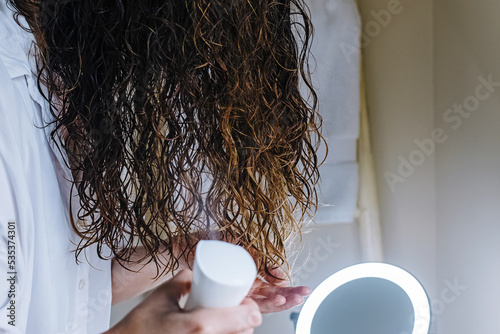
x=468 y=164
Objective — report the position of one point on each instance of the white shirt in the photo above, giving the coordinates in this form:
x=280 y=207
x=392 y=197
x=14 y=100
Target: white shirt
x=52 y=294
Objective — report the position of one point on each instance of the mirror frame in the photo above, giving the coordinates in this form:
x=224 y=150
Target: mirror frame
x=401 y=277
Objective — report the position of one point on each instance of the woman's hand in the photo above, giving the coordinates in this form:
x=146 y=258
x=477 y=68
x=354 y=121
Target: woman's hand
x=160 y=313
x=275 y=295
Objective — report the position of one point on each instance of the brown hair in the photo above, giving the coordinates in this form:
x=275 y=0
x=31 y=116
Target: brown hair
x=154 y=97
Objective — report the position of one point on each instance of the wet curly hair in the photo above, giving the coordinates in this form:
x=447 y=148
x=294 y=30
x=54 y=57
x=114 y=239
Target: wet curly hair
x=181 y=119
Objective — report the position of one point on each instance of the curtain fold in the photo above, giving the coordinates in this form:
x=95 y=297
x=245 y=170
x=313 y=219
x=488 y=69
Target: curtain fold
x=367 y=212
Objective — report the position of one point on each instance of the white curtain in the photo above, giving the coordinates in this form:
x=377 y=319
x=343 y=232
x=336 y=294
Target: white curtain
x=347 y=191
x=336 y=76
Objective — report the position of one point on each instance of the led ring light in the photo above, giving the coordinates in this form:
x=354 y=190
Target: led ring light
x=394 y=274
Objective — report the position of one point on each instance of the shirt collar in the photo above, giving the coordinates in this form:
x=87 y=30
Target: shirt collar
x=15 y=43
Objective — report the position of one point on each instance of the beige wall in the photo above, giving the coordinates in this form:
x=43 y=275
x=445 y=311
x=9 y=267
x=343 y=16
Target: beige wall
x=468 y=163
x=423 y=72
x=399 y=77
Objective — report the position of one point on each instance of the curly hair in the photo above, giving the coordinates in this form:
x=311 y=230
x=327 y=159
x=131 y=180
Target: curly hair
x=182 y=118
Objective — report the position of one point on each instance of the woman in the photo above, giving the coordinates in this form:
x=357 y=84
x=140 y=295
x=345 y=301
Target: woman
x=155 y=124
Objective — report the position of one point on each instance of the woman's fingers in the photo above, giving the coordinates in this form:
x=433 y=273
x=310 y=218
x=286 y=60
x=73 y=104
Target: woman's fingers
x=273 y=299
x=160 y=313
x=283 y=291
x=268 y=306
x=239 y=319
x=172 y=290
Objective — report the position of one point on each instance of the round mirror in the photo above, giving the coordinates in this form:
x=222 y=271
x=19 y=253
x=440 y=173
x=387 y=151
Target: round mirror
x=375 y=298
